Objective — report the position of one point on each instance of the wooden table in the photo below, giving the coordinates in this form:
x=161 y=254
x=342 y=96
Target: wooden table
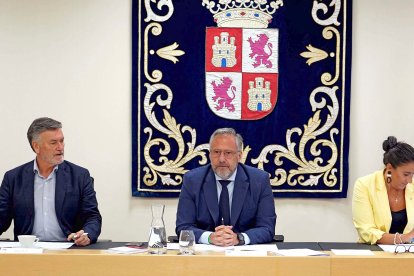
x=99 y=262
x=383 y=263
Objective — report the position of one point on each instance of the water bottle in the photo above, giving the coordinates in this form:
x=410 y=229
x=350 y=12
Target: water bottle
x=157 y=242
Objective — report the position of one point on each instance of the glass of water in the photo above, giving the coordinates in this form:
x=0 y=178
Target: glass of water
x=186 y=242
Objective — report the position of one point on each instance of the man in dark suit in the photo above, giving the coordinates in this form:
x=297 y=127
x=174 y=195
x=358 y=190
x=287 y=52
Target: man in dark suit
x=239 y=210
x=49 y=197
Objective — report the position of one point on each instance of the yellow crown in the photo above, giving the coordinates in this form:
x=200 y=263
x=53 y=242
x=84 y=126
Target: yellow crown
x=242 y=13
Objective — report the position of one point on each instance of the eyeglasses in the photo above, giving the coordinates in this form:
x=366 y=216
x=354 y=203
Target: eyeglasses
x=227 y=153
x=401 y=248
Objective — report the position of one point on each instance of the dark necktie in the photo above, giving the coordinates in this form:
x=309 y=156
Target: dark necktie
x=224 y=204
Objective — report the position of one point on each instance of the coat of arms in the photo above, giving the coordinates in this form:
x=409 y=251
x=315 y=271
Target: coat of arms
x=241 y=60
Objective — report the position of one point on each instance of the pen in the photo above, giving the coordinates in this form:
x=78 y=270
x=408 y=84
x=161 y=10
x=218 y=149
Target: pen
x=75 y=236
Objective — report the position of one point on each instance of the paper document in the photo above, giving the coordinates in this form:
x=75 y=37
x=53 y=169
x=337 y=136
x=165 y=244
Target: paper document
x=210 y=247
x=250 y=247
x=352 y=252
x=43 y=245
x=54 y=245
x=300 y=252
x=10 y=244
x=20 y=250
x=173 y=246
x=126 y=250
x=243 y=252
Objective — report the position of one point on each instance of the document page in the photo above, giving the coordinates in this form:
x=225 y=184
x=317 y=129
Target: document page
x=43 y=245
x=300 y=252
x=352 y=252
x=126 y=250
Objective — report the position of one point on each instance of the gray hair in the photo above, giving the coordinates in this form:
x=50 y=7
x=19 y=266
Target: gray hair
x=228 y=131
x=40 y=125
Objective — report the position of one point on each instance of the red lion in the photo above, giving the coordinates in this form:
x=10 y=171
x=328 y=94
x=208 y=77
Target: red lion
x=221 y=96
x=258 y=50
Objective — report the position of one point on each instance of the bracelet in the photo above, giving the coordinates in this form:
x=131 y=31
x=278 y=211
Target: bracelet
x=395 y=237
x=209 y=240
x=401 y=241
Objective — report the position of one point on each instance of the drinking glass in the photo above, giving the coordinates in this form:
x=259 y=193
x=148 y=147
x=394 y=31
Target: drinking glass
x=186 y=242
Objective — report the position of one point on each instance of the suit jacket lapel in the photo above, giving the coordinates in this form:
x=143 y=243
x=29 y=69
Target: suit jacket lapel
x=409 y=198
x=62 y=181
x=383 y=200
x=241 y=185
x=28 y=186
x=210 y=192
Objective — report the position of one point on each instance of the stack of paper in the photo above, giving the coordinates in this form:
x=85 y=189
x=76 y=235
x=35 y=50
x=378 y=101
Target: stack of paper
x=126 y=250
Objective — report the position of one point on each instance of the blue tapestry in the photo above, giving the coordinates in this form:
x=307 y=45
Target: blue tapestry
x=278 y=72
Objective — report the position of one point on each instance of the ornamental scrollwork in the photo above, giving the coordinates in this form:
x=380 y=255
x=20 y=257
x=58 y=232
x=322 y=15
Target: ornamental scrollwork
x=151 y=16
x=327 y=33
x=332 y=19
x=156 y=30
x=186 y=151
x=317 y=167
x=314 y=54
x=169 y=52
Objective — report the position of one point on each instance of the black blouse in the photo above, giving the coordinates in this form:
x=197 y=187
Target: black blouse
x=399 y=221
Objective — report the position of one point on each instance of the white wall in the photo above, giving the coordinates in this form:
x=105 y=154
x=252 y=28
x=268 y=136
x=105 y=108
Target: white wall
x=71 y=60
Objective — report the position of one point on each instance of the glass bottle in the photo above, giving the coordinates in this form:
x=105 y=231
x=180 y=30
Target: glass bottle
x=157 y=242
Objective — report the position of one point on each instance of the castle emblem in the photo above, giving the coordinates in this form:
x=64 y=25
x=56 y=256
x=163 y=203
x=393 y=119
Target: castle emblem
x=259 y=95
x=242 y=58
x=224 y=53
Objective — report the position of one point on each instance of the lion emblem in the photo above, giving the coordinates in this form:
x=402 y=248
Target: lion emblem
x=258 y=52
x=221 y=97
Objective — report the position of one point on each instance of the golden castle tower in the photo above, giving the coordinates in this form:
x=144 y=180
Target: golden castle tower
x=259 y=95
x=224 y=53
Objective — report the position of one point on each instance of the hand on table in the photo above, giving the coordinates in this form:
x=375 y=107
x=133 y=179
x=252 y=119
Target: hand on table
x=80 y=238
x=224 y=236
